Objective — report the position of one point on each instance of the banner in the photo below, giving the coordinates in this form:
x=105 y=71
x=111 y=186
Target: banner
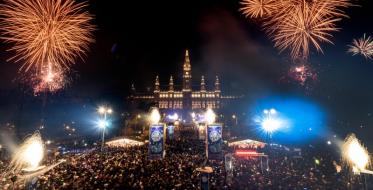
x=214 y=141
x=156 y=141
x=229 y=159
x=170 y=132
x=229 y=162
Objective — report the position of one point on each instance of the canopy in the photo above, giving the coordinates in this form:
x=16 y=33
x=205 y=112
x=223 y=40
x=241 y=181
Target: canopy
x=247 y=143
x=124 y=142
x=205 y=169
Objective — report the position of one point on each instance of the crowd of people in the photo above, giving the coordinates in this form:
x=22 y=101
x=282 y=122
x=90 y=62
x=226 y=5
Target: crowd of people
x=130 y=168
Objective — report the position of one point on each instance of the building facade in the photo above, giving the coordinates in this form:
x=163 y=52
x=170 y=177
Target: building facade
x=185 y=98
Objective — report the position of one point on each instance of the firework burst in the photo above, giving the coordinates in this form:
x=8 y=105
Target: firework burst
x=28 y=155
x=305 y=26
x=355 y=154
x=46 y=31
x=27 y=160
x=298 y=25
x=363 y=46
x=49 y=80
x=259 y=8
x=301 y=74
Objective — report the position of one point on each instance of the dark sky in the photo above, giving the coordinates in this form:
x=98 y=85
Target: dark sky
x=136 y=40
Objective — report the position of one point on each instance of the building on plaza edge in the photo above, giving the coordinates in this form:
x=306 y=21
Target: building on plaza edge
x=185 y=98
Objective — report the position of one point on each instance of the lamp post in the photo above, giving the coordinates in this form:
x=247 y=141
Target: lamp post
x=235 y=119
x=155 y=116
x=210 y=116
x=156 y=146
x=103 y=123
x=269 y=123
x=211 y=141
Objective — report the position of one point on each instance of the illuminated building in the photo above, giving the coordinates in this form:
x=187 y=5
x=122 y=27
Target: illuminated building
x=185 y=98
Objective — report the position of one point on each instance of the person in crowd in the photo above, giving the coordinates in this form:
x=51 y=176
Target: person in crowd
x=130 y=168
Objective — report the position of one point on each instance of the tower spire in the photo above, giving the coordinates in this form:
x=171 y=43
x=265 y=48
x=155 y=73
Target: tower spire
x=217 y=84
x=187 y=75
x=171 y=84
x=203 y=84
x=156 y=85
x=133 y=90
x=187 y=60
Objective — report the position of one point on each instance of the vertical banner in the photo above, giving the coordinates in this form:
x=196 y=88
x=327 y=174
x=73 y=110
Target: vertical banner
x=229 y=168
x=170 y=132
x=156 y=141
x=214 y=142
x=229 y=162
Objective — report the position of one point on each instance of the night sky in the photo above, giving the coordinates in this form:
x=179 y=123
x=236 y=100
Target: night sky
x=137 y=40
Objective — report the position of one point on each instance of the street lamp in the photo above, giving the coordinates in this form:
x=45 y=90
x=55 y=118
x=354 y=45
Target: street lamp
x=156 y=135
x=173 y=117
x=235 y=118
x=102 y=124
x=272 y=111
x=210 y=116
x=193 y=114
x=155 y=116
x=103 y=110
x=269 y=123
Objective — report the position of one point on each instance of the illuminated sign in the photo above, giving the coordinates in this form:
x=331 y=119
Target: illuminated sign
x=170 y=132
x=214 y=141
x=248 y=153
x=156 y=141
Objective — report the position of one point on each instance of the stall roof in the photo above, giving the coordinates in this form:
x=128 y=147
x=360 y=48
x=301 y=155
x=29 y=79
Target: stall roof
x=124 y=142
x=247 y=143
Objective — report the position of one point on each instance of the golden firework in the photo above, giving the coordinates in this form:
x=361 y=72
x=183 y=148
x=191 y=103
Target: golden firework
x=45 y=32
x=259 y=8
x=306 y=26
x=355 y=154
x=297 y=24
x=363 y=46
x=49 y=80
x=29 y=154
